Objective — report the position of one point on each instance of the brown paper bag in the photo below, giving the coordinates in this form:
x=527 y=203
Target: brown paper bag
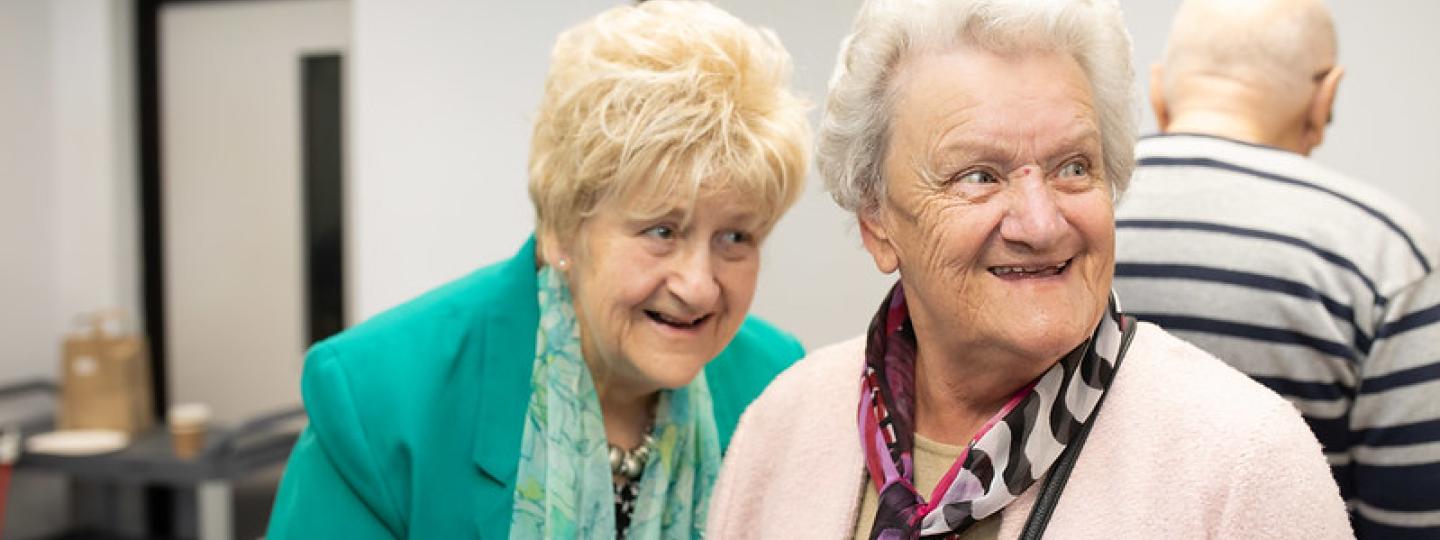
x=105 y=378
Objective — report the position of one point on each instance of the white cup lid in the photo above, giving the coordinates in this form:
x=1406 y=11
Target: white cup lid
x=190 y=413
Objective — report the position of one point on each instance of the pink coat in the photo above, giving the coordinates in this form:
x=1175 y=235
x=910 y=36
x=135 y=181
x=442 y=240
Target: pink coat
x=1185 y=447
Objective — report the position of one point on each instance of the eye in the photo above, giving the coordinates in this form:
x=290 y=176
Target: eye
x=976 y=177
x=736 y=237
x=660 y=232
x=1075 y=168
x=734 y=244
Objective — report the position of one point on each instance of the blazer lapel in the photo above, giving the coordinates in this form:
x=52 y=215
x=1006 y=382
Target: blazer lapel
x=508 y=334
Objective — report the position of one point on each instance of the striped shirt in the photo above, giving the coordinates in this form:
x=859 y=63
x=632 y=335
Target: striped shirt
x=1320 y=287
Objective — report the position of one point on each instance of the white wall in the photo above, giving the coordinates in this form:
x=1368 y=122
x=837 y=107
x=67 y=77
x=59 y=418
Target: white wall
x=445 y=91
x=67 y=199
x=1385 y=128
x=97 y=217
x=68 y=215
x=28 y=286
x=443 y=95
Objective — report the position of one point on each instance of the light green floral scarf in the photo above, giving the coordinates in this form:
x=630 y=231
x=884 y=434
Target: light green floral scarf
x=563 y=486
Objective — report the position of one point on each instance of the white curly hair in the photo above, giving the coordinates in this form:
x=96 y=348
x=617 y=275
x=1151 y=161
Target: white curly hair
x=855 y=130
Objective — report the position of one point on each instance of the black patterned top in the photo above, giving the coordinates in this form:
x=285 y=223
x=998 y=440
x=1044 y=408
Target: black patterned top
x=625 y=496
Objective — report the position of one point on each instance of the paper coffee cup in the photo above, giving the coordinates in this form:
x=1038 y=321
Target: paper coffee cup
x=188 y=423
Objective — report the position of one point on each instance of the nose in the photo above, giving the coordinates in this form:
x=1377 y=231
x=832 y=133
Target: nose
x=1033 y=217
x=692 y=279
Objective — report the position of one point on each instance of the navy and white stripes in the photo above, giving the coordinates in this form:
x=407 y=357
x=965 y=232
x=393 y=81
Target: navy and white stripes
x=1319 y=287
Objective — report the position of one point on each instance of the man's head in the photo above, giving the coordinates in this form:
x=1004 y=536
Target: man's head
x=1262 y=71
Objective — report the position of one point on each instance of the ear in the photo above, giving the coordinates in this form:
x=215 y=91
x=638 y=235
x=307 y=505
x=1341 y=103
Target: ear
x=552 y=250
x=1322 y=109
x=1157 y=97
x=877 y=240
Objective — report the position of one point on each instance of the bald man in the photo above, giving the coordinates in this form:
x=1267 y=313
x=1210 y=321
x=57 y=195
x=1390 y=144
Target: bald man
x=1319 y=286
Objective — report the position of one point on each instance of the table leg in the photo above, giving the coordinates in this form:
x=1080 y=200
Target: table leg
x=216 y=506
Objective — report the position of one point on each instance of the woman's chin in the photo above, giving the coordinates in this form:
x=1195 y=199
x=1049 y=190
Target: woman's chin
x=1050 y=342
x=669 y=372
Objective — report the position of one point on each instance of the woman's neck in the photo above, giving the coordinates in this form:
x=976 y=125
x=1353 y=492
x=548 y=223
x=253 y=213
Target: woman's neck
x=627 y=405
x=955 y=396
x=627 y=415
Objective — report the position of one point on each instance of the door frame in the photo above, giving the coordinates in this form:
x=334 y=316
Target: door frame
x=159 y=500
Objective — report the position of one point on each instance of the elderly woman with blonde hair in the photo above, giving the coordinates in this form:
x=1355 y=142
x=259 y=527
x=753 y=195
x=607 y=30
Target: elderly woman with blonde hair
x=1000 y=392
x=587 y=387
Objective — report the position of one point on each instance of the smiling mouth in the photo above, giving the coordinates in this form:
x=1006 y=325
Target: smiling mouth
x=680 y=324
x=1035 y=271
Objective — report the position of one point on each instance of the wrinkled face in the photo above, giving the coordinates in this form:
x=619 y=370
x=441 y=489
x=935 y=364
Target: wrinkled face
x=658 y=298
x=996 y=214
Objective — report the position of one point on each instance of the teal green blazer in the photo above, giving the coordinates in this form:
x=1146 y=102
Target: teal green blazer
x=416 y=415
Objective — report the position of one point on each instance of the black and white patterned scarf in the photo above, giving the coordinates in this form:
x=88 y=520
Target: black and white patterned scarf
x=1008 y=455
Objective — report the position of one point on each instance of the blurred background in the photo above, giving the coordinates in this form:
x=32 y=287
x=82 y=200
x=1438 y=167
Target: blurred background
x=239 y=178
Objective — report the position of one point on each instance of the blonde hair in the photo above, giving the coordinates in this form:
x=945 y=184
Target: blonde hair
x=855 y=131
x=644 y=103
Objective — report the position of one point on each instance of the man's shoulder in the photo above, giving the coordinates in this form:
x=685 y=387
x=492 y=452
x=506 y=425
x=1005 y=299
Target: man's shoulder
x=1228 y=193
x=1286 y=171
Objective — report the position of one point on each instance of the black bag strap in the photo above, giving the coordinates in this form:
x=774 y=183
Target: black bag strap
x=1060 y=472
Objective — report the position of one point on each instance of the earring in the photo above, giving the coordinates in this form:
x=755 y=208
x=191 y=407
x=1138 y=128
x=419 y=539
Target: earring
x=562 y=264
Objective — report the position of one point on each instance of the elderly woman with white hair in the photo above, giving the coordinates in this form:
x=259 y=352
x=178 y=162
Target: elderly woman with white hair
x=587 y=387
x=1000 y=392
